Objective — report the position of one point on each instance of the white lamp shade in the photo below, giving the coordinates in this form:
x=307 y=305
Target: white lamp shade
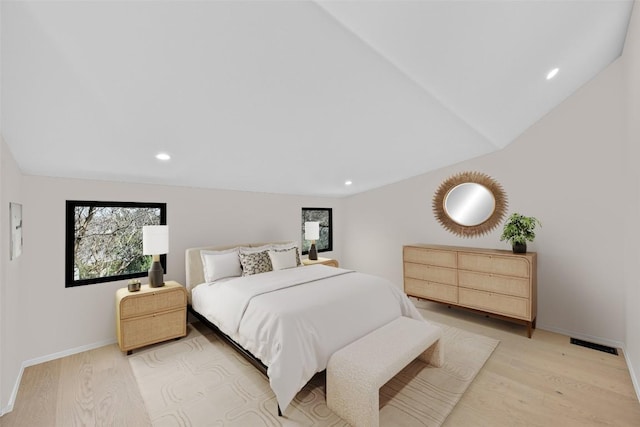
x=155 y=239
x=311 y=230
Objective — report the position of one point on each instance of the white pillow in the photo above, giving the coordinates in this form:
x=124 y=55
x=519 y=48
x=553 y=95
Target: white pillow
x=220 y=264
x=253 y=250
x=286 y=246
x=283 y=259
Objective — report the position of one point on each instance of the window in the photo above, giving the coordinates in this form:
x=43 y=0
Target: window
x=104 y=240
x=323 y=216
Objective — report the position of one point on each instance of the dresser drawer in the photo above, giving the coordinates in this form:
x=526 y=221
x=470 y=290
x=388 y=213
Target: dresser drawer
x=431 y=290
x=495 y=303
x=490 y=282
x=430 y=256
x=151 y=302
x=145 y=330
x=443 y=275
x=496 y=264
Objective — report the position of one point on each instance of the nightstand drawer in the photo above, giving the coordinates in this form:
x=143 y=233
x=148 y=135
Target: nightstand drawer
x=154 y=328
x=152 y=302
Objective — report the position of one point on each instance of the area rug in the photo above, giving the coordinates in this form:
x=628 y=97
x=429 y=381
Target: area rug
x=201 y=381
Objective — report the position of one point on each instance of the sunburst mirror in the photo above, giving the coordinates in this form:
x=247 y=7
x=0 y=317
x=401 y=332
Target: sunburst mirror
x=470 y=204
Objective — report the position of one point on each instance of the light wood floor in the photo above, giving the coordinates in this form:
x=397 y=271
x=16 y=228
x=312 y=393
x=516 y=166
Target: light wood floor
x=543 y=381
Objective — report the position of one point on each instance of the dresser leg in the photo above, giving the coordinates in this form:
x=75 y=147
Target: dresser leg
x=129 y=352
x=532 y=326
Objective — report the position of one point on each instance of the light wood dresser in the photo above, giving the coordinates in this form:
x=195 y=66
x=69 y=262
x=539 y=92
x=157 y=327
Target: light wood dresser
x=491 y=281
x=150 y=315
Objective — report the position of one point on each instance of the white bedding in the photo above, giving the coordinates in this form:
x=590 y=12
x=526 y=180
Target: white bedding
x=293 y=320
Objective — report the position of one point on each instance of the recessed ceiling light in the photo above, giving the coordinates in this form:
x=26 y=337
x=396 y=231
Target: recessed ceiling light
x=552 y=73
x=348 y=182
x=163 y=156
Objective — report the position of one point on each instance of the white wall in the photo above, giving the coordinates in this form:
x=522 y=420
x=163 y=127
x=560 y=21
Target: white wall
x=54 y=320
x=2 y=235
x=11 y=282
x=632 y=231
x=567 y=170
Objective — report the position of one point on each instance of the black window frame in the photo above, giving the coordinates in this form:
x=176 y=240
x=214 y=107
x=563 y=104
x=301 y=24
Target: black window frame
x=70 y=239
x=308 y=215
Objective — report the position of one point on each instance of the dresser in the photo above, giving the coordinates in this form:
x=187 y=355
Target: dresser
x=491 y=281
x=150 y=315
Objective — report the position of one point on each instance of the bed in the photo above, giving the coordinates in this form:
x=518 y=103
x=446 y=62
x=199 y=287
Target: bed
x=290 y=319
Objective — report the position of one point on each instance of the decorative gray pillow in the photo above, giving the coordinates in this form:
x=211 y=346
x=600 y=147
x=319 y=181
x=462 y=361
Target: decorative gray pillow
x=255 y=263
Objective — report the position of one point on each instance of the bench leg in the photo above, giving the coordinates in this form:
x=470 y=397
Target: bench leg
x=352 y=402
x=434 y=355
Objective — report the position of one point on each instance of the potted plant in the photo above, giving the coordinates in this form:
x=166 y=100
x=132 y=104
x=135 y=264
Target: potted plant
x=518 y=229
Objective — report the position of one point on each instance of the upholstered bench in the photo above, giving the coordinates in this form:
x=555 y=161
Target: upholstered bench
x=356 y=372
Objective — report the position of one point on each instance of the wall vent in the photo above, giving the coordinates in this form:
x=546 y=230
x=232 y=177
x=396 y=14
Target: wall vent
x=595 y=346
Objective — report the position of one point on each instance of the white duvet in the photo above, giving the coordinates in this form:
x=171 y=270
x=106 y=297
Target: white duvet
x=293 y=320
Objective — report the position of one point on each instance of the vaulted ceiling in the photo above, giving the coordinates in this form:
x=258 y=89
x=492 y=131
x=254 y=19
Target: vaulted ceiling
x=287 y=96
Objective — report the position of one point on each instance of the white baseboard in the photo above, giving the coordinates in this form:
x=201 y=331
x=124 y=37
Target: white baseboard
x=68 y=352
x=634 y=377
x=581 y=336
x=14 y=393
x=48 y=358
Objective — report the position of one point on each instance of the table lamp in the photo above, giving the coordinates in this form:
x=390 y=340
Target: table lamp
x=312 y=232
x=155 y=242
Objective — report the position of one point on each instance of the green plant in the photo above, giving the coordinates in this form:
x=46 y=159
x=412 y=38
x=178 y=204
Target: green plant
x=519 y=229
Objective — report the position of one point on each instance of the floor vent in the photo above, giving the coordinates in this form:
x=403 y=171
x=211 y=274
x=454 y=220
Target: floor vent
x=594 y=346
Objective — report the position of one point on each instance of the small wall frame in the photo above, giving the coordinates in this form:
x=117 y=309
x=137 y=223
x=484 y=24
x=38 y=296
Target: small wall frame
x=15 y=221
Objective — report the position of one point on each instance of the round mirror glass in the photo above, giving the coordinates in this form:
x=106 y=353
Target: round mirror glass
x=469 y=204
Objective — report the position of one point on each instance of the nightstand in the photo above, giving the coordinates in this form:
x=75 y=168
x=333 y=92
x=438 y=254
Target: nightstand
x=150 y=315
x=325 y=261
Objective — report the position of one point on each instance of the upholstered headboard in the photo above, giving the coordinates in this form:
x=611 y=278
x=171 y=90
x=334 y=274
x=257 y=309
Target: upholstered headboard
x=193 y=261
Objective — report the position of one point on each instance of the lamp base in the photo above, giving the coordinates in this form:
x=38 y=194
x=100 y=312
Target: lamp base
x=313 y=253
x=156 y=275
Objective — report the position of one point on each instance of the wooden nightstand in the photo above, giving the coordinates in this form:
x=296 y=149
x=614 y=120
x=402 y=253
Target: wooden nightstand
x=325 y=261
x=150 y=315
